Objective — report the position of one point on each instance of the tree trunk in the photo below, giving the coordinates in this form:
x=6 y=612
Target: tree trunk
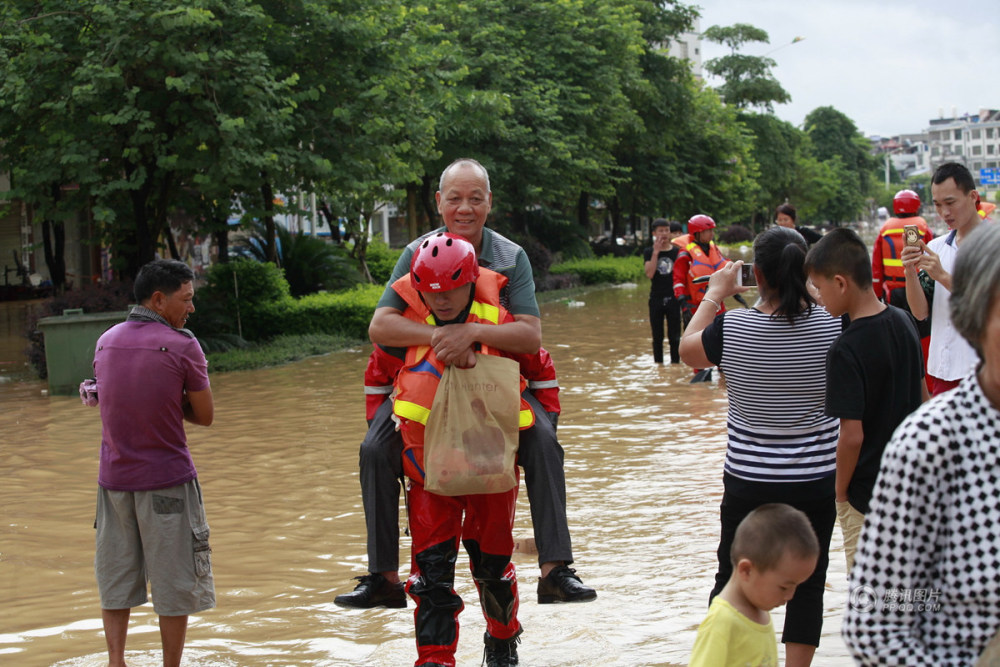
x=54 y=246
x=222 y=241
x=172 y=243
x=271 y=246
x=583 y=211
x=430 y=206
x=331 y=222
x=614 y=211
x=412 y=207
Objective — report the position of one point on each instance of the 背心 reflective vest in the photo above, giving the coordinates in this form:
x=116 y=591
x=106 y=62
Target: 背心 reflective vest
x=420 y=375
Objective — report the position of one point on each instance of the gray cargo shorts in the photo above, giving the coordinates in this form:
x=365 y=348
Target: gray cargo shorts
x=156 y=536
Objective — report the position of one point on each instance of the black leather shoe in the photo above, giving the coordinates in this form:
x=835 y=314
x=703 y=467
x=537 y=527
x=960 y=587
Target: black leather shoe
x=500 y=652
x=374 y=590
x=562 y=585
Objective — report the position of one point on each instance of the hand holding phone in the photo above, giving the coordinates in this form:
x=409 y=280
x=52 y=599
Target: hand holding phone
x=746 y=277
x=911 y=235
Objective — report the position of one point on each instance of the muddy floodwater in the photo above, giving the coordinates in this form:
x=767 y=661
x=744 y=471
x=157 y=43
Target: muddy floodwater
x=279 y=471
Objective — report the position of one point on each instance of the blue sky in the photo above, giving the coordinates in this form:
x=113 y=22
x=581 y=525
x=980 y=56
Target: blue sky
x=889 y=65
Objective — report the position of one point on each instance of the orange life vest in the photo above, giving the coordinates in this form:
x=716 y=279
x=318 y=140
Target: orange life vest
x=889 y=250
x=418 y=380
x=702 y=265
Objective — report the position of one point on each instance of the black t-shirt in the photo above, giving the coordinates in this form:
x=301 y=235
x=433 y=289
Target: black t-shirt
x=662 y=284
x=873 y=373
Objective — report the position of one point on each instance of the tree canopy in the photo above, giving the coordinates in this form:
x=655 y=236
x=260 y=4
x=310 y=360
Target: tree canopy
x=145 y=115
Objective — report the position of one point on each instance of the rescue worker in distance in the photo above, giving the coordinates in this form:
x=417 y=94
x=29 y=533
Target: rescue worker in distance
x=699 y=257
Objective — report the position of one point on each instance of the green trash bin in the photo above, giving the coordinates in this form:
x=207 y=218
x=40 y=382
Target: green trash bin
x=70 y=340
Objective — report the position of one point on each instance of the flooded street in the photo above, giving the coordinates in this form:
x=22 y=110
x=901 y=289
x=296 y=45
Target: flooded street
x=279 y=470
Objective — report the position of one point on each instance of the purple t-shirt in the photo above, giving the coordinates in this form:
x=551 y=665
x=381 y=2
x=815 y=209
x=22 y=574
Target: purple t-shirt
x=142 y=369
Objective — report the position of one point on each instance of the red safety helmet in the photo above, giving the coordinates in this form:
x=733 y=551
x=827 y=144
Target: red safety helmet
x=700 y=223
x=443 y=262
x=906 y=201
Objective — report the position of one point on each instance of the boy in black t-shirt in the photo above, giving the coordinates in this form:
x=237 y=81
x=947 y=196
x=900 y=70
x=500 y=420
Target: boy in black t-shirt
x=874 y=371
x=659 y=265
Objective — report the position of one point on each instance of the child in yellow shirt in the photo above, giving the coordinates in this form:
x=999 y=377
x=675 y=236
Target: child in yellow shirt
x=774 y=550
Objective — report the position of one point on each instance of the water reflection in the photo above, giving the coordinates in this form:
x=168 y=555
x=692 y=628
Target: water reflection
x=644 y=453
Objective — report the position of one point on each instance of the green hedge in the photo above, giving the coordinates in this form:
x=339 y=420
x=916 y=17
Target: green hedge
x=345 y=313
x=606 y=269
x=281 y=350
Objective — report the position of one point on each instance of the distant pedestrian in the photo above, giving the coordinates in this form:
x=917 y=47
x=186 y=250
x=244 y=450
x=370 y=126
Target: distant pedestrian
x=888 y=277
x=874 y=371
x=786 y=216
x=659 y=265
x=774 y=550
x=151 y=526
x=698 y=258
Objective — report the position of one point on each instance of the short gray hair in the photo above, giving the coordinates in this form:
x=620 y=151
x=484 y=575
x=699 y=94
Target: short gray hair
x=975 y=283
x=461 y=162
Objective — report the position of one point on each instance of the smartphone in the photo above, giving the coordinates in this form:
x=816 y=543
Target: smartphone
x=747 y=278
x=911 y=235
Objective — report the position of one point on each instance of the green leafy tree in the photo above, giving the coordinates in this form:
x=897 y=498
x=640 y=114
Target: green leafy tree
x=836 y=139
x=537 y=93
x=149 y=107
x=748 y=79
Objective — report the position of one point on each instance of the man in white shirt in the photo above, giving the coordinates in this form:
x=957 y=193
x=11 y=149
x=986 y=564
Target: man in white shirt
x=928 y=267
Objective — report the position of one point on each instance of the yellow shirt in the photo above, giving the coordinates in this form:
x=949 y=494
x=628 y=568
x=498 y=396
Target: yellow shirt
x=727 y=638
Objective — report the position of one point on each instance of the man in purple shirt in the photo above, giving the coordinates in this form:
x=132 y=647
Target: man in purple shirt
x=151 y=376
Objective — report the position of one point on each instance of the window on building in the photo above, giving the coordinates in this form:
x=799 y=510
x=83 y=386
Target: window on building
x=989 y=133
x=958 y=135
x=977 y=150
x=976 y=166
x=935 y=151
x=976 y=134
x=990 y=149
x=957 y=149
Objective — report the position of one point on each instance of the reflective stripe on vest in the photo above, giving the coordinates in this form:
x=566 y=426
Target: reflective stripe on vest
x=412 y=411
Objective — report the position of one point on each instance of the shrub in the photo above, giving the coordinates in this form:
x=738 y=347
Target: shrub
x=381 y=260
x=310 y=263
x=603 y=269
x=734 y=234
x=346 y=313
x=281 y=350
x=232 y=293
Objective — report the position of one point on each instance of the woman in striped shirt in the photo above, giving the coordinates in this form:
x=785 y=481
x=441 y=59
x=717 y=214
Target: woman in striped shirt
x=782 y=448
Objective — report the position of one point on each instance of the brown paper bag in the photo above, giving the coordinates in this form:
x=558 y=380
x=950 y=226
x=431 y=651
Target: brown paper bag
x=470 y=441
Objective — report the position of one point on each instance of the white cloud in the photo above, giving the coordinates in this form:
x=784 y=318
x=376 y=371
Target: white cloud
x=890 y=66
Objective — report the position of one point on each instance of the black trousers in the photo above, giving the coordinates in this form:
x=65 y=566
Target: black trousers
x=539 y=454
x=804 y=612
x=665 y=308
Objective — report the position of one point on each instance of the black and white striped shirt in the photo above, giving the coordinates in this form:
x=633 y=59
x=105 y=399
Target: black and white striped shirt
x=776 y=379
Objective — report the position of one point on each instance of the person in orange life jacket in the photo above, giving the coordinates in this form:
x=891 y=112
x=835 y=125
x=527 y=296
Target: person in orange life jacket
x=446 y=286
x=384 y=364
x=659 y=266
x=464 y=201
x=699 y=257
x=888 y=278
x=888 y=275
